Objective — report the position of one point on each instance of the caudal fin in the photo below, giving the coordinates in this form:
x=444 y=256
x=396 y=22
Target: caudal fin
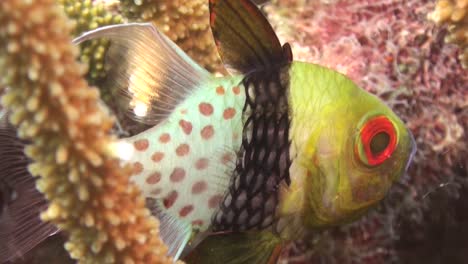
x=21 y=229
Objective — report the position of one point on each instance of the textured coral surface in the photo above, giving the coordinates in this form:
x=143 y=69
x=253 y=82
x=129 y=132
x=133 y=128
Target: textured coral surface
x=454 y=13
x=90 y=15
x=90 y=197
x=391 y=49
x=185 y=22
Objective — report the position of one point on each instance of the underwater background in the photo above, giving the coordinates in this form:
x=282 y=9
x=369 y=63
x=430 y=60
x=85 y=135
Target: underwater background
x=413 y=54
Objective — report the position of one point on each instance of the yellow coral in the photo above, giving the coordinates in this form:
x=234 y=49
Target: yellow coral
x=454 y=13
x=87 y=16
x=185 y=22
x=89 y=192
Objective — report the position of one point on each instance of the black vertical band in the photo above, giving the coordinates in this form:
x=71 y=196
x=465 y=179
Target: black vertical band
x=264 y=159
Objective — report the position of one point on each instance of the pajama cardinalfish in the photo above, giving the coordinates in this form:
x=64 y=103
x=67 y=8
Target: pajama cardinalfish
x=236 y=166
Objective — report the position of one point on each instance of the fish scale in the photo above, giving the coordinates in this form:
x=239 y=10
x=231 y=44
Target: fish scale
x=185 y=160
x=253 y=196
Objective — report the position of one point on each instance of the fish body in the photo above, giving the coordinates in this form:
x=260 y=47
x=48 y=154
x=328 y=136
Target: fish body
x=186 y=160
x=236 y=166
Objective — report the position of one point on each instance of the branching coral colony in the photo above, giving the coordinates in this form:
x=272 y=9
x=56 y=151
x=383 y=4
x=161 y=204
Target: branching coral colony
x=53 y=107
x=87 y=16
x=387 y=46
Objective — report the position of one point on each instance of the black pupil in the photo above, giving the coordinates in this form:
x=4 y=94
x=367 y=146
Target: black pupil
x=379 y=142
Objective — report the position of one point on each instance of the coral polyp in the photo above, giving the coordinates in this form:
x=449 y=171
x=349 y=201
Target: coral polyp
x=455 y=15
x=184 y=22
x=90 y=15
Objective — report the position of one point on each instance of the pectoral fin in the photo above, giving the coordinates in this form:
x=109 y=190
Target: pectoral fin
x=237 y=248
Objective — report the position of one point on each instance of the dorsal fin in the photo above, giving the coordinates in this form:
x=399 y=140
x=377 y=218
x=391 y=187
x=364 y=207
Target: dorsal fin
x=245 y=39
x=152 y=73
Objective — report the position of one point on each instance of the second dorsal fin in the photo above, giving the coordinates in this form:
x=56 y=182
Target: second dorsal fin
x=245 y=40
x=152 y=73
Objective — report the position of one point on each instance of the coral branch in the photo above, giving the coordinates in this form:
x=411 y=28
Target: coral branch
x=455 y=15
x=185 y=22
x=89 y=192
x=89 y=15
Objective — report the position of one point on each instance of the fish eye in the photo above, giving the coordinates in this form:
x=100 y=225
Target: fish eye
x=377 y=141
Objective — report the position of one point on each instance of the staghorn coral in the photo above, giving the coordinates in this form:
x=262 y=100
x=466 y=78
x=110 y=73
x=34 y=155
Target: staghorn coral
x=454 y=13
x=185 y=22
x=89 y=192
x=89 y=15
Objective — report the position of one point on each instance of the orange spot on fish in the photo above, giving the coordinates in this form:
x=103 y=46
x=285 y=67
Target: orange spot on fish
x=229 y=113
x=164 y=138
x=141 y=144
x=214 y=201
x=220 y=90
x=157 y=156
x=226 y=158
x=183 y=111
x=207 y=132
x=170 y=199
x=153 y=178
x=186 y=126
x=199 y=187
x=137 y=168
x=182 y=150
x=206 y=109
x=236 y=90
x=185 y=210
x=156 y=191
x=177 y=175
x=201 y=164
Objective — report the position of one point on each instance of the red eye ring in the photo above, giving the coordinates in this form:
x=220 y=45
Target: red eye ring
x=373 y=127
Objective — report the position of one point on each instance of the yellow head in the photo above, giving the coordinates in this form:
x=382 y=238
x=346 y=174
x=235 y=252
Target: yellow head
x=349 y=147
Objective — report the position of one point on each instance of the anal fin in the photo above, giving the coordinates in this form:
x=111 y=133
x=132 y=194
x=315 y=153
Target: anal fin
x=237 y=248
x=174 y=232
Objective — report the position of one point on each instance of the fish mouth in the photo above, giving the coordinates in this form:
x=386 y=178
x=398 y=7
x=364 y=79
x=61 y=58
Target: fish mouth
x=413 y=147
